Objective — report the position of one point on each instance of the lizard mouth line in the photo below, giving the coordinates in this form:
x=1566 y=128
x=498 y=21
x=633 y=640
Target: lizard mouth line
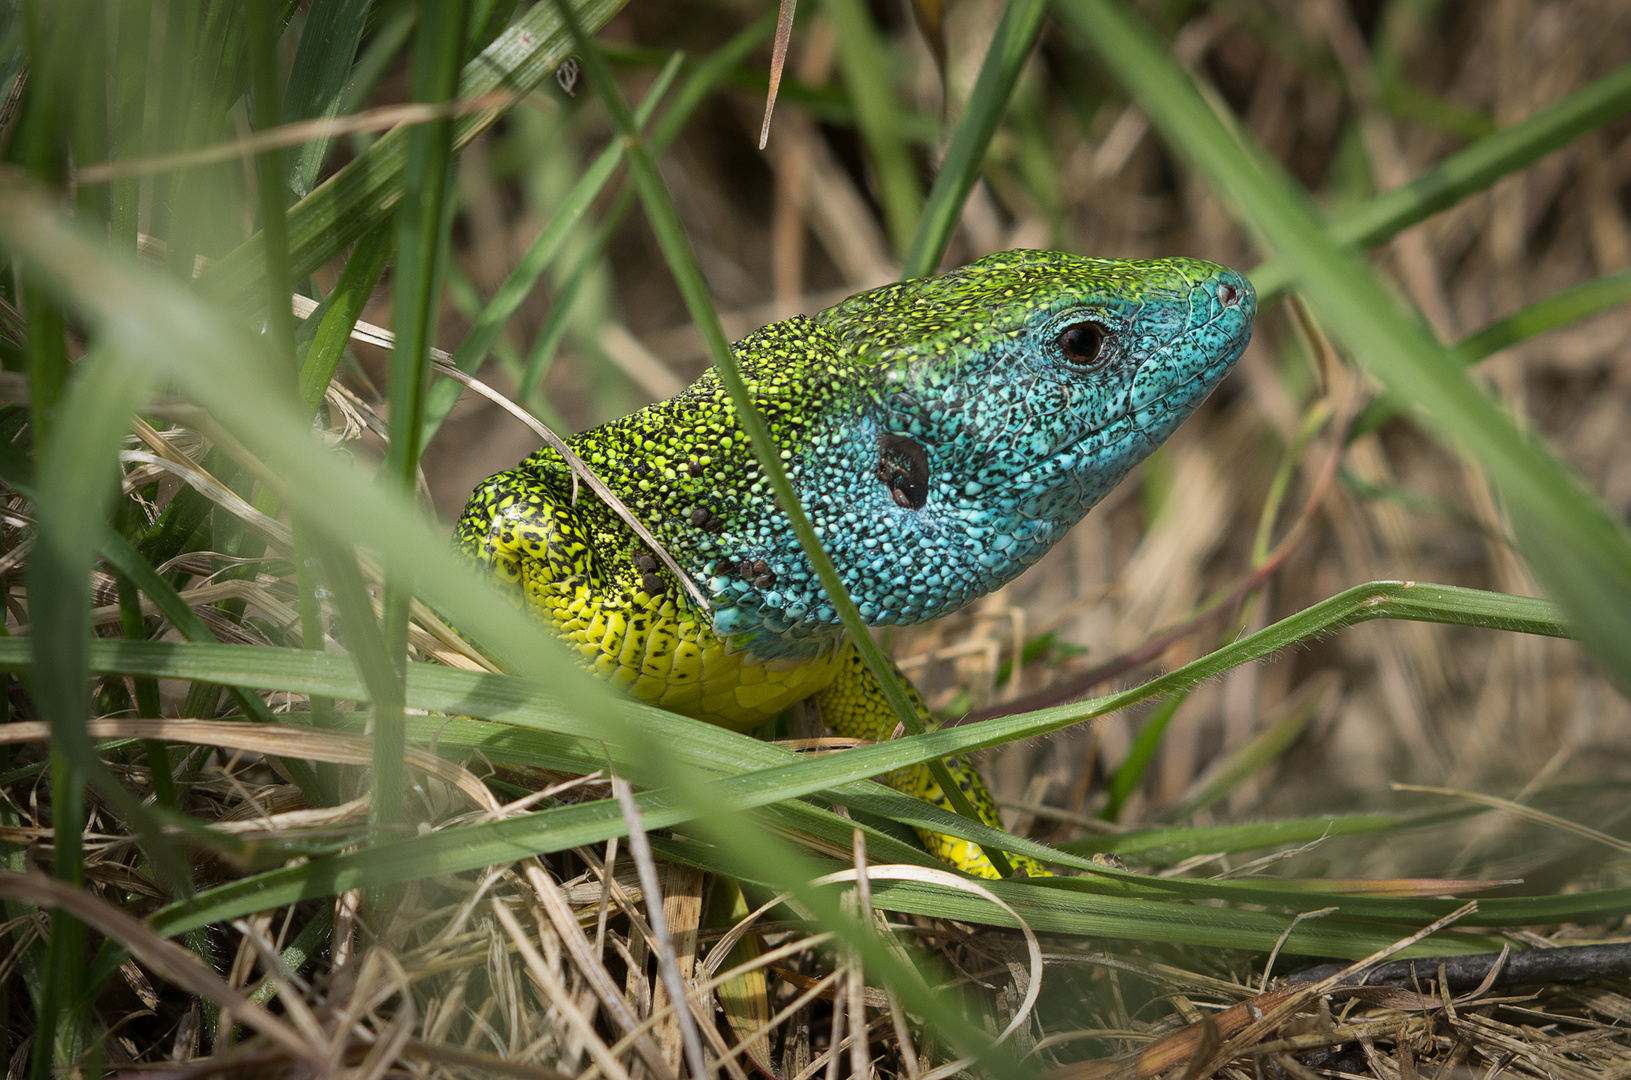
x=1166 y=398
x=1208 y=376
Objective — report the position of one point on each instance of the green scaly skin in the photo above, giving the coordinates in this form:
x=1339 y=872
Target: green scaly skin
x=942 y=434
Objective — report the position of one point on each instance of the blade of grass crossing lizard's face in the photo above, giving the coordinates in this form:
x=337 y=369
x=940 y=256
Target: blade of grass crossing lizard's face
x=943 y=433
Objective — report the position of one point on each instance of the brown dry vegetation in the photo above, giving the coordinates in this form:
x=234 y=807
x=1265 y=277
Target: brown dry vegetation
x=514 y=972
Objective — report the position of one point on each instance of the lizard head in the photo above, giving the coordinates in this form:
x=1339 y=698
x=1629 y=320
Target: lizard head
x=1003 y=400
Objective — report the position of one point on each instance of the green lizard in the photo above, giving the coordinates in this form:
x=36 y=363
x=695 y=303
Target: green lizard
x=942 y=433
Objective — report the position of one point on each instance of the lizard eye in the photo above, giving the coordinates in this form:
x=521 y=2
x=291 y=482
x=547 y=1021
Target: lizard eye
x=1082 y=344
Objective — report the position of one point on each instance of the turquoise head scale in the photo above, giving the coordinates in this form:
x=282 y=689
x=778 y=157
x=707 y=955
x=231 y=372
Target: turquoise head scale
x=942 y=433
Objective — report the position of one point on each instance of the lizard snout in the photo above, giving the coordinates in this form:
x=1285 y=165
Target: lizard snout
x=1170 y=382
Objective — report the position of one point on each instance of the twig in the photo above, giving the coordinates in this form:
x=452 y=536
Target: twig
x=1564 y=964
x=778 y=61
x=855 y=1003
x=302 y=131
x=667 y=965
x=1231 y=1032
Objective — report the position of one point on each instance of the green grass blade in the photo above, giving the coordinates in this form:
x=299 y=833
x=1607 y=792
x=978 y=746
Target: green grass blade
x=89 y=122
x=322 y=64
x=422 y=221
x=1409 y=601
x=58 y=571
x=41 y=145
x=1472 y=169
x=362 y=194
x=421 y=225
x=1577 y=551
x=269 y=181
x=339 y=314
x=1408 y=103
x=1489 y=159
x=1168 y=845
x=863 y=57
x=129 y=107
x=176 y=73
x=376 y=665
x=77 y=475
x=1004 y=60
x=335 y=319
x=1565 y=307
x=217 y=82
x=1061 y=911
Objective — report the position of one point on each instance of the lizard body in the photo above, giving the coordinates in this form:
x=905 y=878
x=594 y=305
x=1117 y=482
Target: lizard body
x=942 y=434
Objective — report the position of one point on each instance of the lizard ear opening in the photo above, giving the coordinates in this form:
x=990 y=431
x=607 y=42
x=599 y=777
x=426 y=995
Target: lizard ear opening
x=904 y=469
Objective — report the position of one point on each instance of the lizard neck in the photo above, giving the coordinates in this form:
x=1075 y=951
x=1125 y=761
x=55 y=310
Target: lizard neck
x=685 y=468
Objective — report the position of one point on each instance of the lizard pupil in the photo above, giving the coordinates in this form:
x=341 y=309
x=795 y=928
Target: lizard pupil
x=904 y=469
x=1082 y=343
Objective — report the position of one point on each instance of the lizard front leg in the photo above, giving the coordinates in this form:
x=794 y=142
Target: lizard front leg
x=853 y=705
